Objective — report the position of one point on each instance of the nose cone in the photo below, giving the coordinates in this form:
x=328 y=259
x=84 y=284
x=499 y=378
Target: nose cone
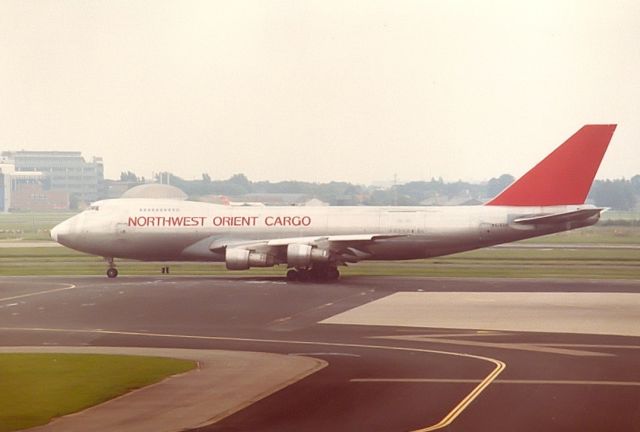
x=59 y=231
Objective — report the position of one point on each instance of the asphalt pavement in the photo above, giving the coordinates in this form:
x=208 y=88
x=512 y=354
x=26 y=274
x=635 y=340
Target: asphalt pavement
x=407 y=373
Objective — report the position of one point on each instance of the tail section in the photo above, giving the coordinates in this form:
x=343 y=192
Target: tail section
x=565 y=176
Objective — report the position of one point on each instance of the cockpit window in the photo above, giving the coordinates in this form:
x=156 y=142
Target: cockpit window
x=94 y=208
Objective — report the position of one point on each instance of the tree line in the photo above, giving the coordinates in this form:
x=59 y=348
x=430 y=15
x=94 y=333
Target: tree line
x=619 y=194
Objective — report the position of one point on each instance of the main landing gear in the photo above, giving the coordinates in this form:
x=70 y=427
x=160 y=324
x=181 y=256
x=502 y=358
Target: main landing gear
x=315 y=274
x=112 y=271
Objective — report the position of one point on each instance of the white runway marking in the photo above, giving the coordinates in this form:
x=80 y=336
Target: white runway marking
x=67 y=287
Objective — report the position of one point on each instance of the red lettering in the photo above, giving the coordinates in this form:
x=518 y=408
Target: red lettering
x=163 y=221
x=218 y=221
x=287 y=221
x=231 y=221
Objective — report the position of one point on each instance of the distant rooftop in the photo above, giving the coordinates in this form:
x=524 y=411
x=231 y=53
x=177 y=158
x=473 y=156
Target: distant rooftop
x=12 y=155
x=155 y=190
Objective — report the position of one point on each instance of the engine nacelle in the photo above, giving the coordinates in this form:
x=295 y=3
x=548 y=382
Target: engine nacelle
x=302 y=255
x=242 y=259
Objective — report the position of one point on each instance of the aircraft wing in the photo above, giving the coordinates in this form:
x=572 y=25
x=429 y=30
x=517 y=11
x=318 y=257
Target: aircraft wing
x=344 y=248
x=555 y=218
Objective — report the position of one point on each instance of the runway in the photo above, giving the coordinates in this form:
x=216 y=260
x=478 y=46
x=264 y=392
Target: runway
x=388 y=369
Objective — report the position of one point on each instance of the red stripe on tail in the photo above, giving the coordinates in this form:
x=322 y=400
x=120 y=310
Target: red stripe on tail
x=565 y=176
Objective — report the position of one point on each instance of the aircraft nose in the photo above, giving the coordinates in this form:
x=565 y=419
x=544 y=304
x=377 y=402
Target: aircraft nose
x=58 y=231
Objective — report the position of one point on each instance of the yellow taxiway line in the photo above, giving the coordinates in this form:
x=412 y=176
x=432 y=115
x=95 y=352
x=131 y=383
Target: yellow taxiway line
x=447 y=420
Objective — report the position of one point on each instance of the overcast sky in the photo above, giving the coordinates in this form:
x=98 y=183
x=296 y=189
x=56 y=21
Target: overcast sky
x=328 y=90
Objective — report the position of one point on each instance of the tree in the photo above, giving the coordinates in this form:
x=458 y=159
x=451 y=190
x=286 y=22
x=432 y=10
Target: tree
x=635 y=184
x=239 y=183
x=617 y=194
x=129 y=176
x=497 y=185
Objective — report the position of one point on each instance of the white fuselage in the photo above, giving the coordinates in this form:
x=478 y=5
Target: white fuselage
x=168 y=230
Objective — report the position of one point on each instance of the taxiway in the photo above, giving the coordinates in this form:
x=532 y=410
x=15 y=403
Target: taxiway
x=389 y=369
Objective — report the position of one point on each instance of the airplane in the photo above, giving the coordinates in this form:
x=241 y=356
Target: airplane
x=314 y=241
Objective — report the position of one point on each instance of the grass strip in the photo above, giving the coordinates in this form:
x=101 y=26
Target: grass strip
x=34 y=388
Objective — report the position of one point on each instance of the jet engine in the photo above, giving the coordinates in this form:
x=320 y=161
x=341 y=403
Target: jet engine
x=302 y=255
x=242 y=259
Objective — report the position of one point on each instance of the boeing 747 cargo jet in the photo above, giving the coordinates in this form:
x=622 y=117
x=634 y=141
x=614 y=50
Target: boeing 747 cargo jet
x=314 y=242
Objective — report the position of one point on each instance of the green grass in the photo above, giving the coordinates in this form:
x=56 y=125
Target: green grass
x=34 y=388
x=573 y=269
x=593 y=235
x=606 y=263
x=30 y=226
x=554 y=256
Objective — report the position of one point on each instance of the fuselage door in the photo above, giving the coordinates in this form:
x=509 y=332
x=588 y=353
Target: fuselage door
x=485 y=231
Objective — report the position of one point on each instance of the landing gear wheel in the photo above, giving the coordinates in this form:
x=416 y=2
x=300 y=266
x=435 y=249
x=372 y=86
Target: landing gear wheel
x=318 y=274
x=112 y=272
x=303 y=275
x=333 y=274
x=292 y=275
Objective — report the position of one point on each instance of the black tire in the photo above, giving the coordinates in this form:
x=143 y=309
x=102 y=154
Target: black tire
x=303 y=275
x=292 y=275
x=317 y=274
x=111 y=273
x=333 y=274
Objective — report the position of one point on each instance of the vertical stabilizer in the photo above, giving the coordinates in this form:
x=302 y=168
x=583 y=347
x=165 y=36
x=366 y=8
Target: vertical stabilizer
x=565 y=176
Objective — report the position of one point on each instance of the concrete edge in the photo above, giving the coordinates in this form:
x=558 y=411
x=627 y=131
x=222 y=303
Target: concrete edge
x=223 y=383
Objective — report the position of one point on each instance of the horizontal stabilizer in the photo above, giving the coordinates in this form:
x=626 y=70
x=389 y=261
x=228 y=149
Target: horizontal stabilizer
x=555 y=218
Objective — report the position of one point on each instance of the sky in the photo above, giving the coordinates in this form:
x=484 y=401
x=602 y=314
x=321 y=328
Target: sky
x=355 y=91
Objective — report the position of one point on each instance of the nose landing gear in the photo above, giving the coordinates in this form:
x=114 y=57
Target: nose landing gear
x=112 y=271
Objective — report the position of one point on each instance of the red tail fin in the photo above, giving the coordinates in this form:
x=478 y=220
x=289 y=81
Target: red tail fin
x=565 y=176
